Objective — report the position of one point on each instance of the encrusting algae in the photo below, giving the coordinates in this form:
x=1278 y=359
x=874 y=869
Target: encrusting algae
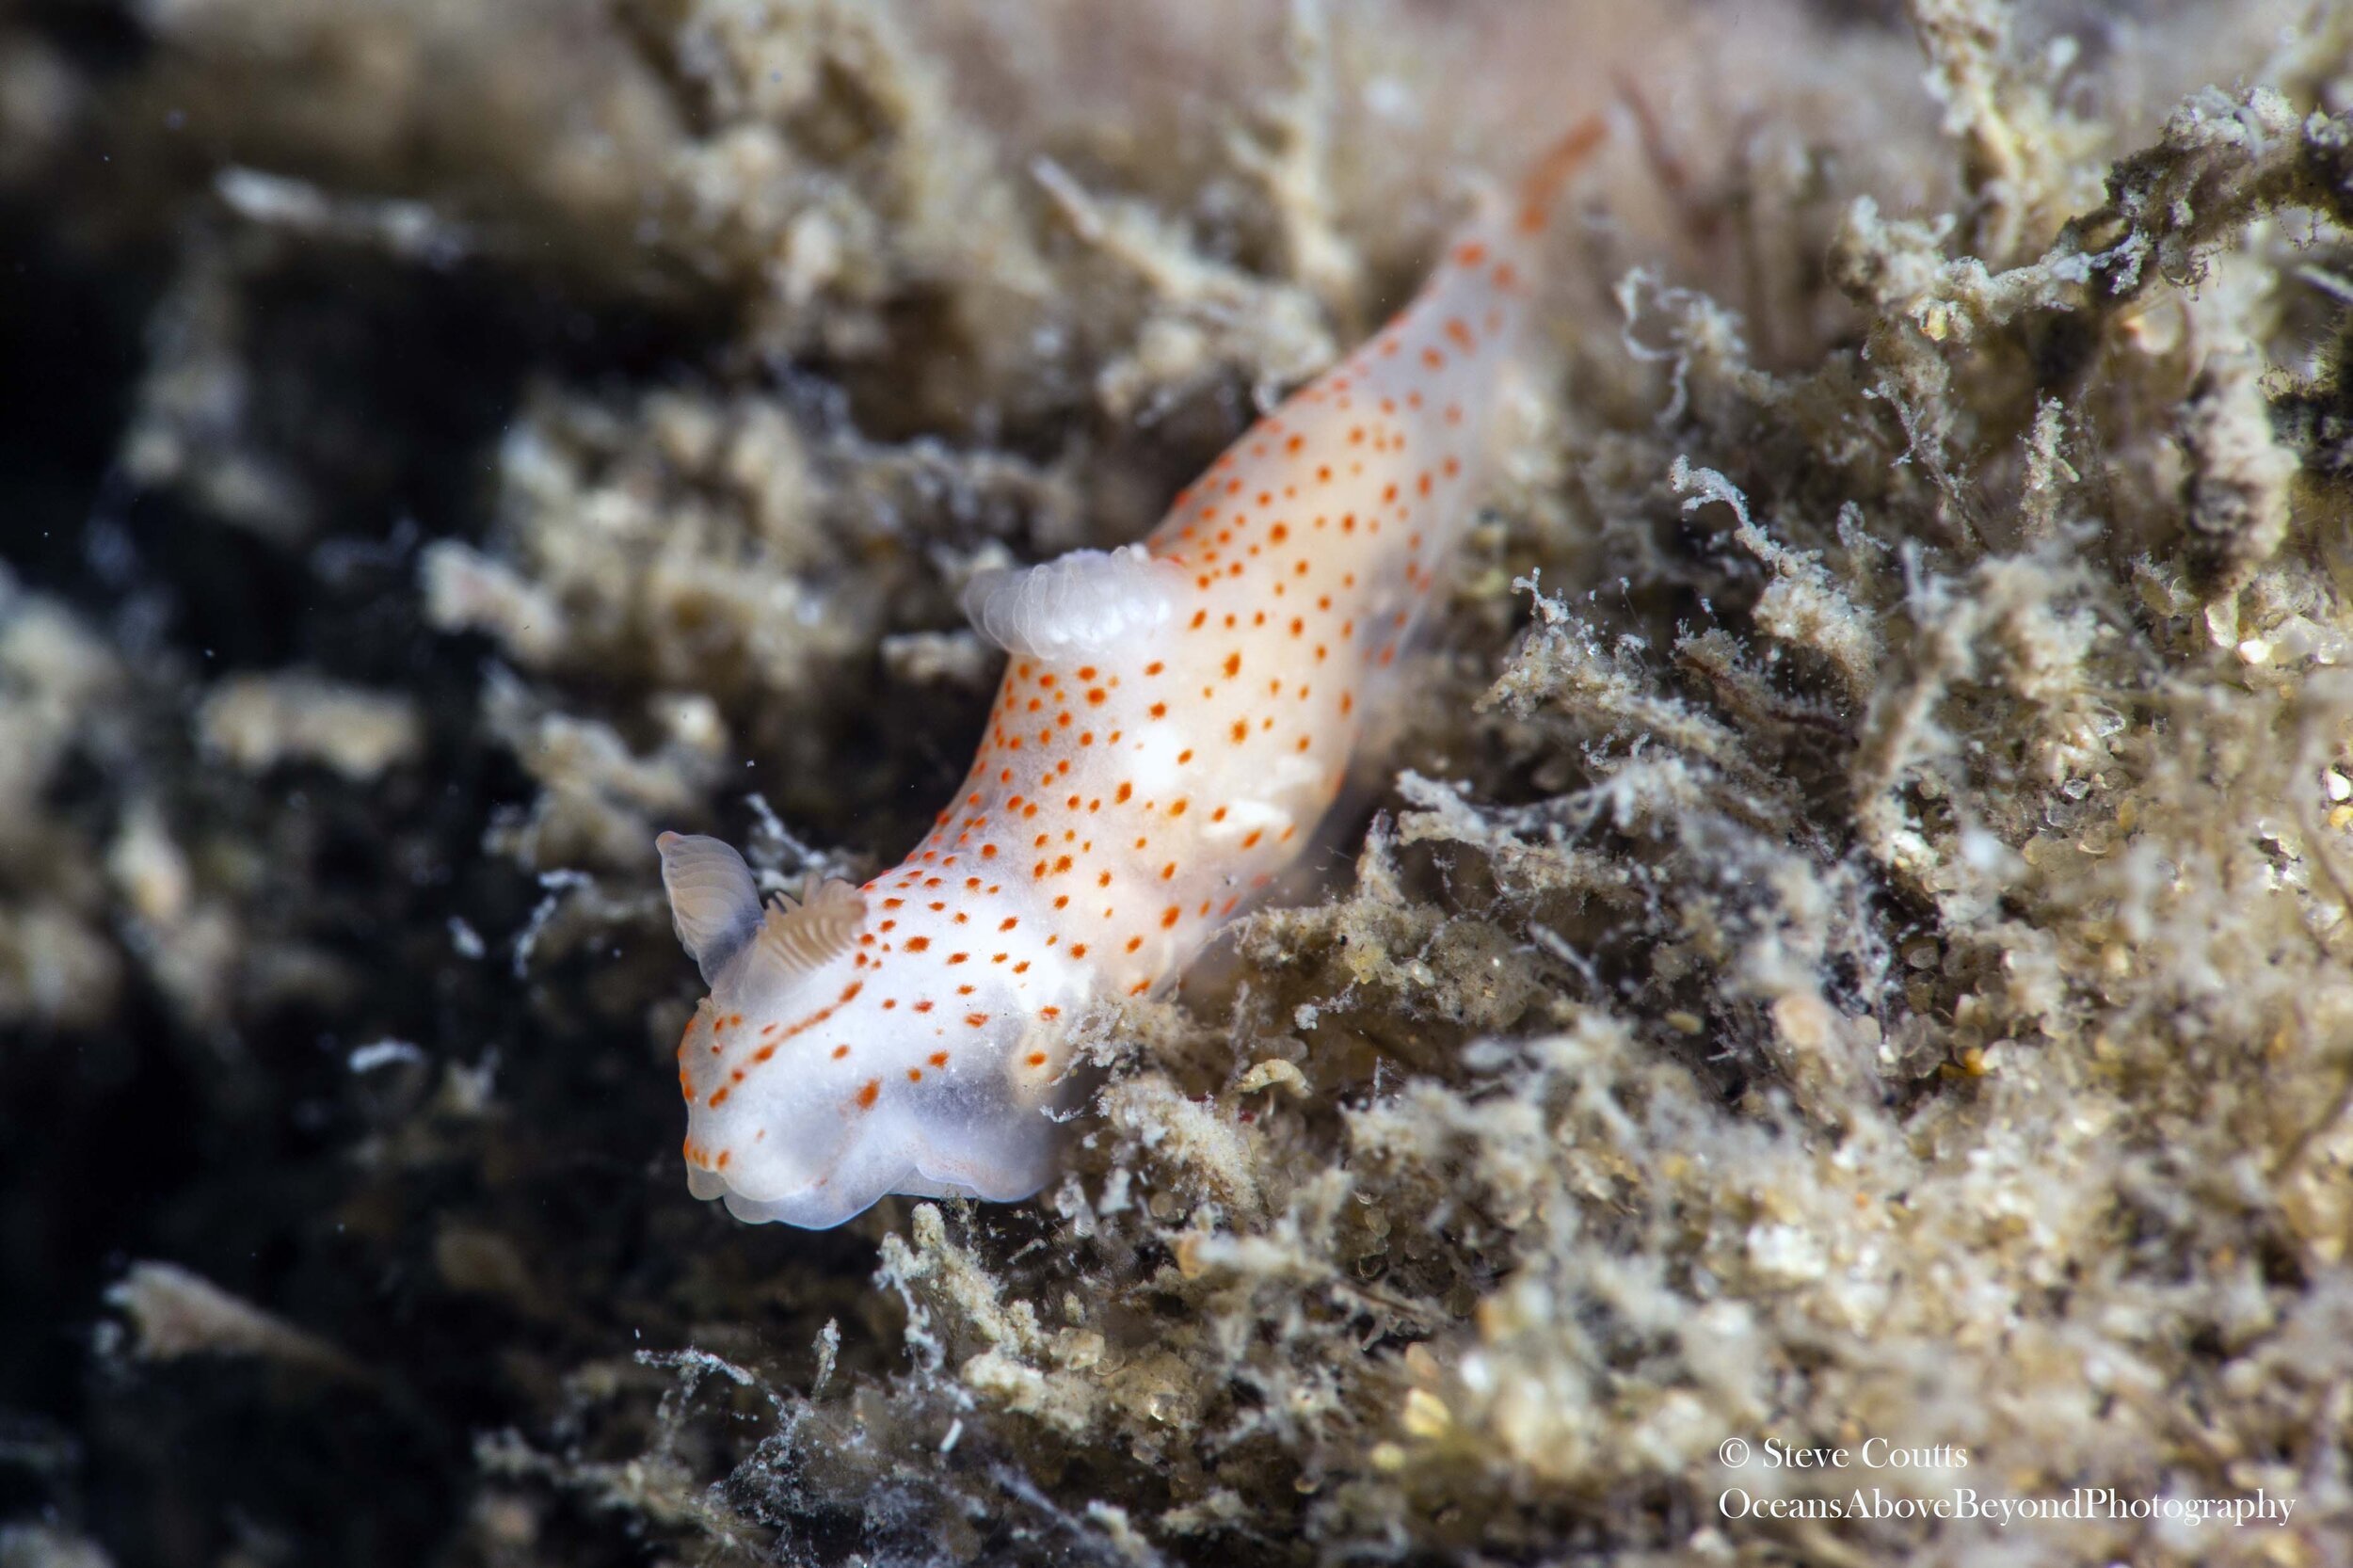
x=1841 y=943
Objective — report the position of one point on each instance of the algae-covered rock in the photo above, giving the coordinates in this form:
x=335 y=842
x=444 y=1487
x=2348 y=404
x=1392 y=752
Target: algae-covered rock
x=1841 y=948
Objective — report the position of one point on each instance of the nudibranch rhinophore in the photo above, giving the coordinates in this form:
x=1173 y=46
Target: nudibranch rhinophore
x=1176 y=717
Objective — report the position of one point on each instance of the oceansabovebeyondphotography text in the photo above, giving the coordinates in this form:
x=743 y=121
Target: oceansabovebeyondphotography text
x=2087 y=1503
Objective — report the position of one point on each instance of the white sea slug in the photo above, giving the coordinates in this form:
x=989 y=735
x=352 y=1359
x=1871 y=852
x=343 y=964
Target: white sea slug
x=1174 y=718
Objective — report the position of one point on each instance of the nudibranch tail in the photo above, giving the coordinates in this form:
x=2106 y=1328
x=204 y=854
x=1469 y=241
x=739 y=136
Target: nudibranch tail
x=1174 y=718
x=1549 y=175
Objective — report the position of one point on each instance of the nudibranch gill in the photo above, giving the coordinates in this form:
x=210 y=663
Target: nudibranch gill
x=1176 y=717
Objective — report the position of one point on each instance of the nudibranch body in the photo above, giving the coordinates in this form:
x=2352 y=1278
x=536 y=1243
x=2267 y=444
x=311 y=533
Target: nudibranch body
x=1174 y=718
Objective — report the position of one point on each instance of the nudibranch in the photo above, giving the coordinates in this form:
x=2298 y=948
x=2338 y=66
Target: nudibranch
x=1176 y=716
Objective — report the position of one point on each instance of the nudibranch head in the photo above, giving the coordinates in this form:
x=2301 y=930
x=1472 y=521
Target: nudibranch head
x=817 y=1077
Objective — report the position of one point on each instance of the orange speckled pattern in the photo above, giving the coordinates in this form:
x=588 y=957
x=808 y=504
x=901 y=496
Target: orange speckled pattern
x=1132 y=792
